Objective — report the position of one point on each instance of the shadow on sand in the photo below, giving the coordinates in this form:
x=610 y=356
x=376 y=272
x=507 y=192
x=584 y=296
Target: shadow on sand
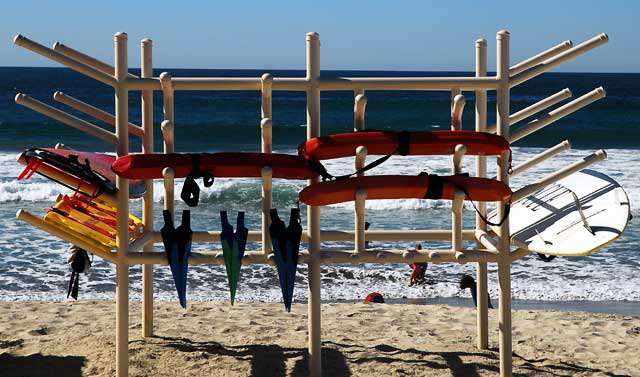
x=271 y=360
x=38 y=365
x=266 y=360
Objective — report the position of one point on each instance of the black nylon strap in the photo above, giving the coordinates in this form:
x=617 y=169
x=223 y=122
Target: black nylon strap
x=72 y=165
x=404 y=143
x=510 y=168
x=369 y=166
x=434 y=187
x=79 y=263
x=507 y=210
x=74 y=159
x=403 y=148
x=72 y=289
x=190 y=190
x=317 y=166
x=435 y=192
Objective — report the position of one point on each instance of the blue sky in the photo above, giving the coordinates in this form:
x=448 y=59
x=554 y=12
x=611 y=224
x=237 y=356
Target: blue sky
x=372 y=34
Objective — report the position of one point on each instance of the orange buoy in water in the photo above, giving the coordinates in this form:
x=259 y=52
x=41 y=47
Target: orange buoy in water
x=374 y=297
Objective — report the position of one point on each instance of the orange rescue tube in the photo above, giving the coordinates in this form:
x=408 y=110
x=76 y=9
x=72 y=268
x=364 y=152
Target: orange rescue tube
x=419 y=143
x=405 y=187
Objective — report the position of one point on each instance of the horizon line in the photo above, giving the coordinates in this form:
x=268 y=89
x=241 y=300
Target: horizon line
x=303 y=70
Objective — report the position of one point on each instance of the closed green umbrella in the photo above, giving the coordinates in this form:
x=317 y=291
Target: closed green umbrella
x=233 y=247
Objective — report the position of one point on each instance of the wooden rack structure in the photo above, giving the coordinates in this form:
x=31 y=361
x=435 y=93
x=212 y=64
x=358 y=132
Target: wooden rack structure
x=492 y=245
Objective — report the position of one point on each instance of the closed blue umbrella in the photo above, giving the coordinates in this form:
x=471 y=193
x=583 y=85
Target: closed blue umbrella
x=286 y=249
x=177 y=247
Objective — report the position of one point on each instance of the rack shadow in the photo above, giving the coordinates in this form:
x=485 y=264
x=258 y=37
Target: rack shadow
x=487 y=361
x=266 y=359
x=39 y=365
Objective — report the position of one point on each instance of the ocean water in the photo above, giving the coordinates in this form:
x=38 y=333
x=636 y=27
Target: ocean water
x=32 y=263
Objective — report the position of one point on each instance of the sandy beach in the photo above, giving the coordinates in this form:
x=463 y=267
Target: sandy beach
x=258 y=339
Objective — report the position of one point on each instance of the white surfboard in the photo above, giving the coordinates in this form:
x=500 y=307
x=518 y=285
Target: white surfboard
x=577 y=215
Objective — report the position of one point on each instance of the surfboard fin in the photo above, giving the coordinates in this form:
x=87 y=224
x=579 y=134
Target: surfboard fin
x=582 y=216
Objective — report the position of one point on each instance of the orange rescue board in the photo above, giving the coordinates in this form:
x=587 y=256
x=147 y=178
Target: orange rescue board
x=227 y=164
x=402 y=187
x=420 y=143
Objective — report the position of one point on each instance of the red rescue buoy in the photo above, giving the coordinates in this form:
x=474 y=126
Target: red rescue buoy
x=405 y=187
x=404 y=143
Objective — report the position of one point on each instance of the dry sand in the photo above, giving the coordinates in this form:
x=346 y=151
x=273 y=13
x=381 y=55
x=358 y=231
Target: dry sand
x=214 y=339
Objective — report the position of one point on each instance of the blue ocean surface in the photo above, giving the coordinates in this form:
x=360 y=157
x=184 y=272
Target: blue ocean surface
x=229 y=120
x=32 y=263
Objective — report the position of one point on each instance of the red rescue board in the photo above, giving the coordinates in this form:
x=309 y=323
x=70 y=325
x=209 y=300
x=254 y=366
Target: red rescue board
x=225 y=164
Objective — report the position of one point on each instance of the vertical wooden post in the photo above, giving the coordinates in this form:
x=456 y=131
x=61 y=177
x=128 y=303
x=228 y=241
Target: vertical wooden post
x=456 y=224
x=458 y=201
x=168 y=147
x=168 y=176
x=359 y=234
x=360 y=104
x=267 y=147
x=168 y=134
x=147 y=199
x=482 y=312
x=267 y=96
x=122 y=234
x=504 y=261
x=454 y=93
x=360 y=202
x=167 y=96
x=267 y=195
x=313 y=214
x=457 y=107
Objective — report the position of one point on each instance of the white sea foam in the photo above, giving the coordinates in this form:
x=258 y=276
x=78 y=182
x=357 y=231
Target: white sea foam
x=32 y=262
x=622 y=165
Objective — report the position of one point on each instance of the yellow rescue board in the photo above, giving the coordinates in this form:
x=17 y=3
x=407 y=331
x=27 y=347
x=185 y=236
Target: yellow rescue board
x=64 y=229
x=90 y=219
